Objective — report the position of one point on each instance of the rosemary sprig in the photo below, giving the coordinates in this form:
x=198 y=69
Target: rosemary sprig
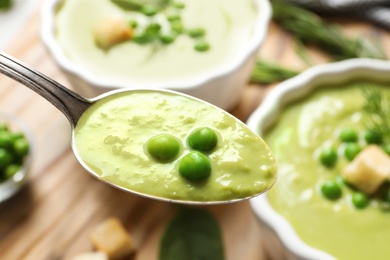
x=265 y=73
x=311 y=29
x=377 y=107
x=137 y=5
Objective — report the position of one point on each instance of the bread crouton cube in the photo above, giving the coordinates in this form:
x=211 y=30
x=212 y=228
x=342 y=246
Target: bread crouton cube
x=91 y=256
x=111 y=31
x=368 y=170
x=112 y=238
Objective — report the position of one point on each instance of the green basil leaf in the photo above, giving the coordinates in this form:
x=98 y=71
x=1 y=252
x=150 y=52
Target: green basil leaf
x=192 y=235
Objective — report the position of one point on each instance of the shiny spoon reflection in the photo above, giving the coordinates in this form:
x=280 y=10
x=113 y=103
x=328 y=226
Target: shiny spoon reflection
x=73 y=106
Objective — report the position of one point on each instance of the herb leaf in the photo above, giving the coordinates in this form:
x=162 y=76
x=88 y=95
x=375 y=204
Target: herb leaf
x=265 y=73
x=193 y=234
x=377 y=106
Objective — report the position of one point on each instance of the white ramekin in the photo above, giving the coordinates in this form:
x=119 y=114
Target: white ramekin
x=222 y=86
x=282 y=242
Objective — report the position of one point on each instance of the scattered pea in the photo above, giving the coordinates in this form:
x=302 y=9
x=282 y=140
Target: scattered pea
x=331 y=190
x=177 y=26
x=149 y=10
x=173 y=17
x=3 y=127
x=11 y=170
x=142 y=39
x=360 y=200
x=163 y=147
x=328 y=157
x=202 y=139
x=348 y=135
x=133 y=24
x=202 y=46
x=179 y=5
x=351 y=150
x=6 y=139
x=21 y=147
x=195 y=166
x=153 y=29
x=167 y=38
x=5 y=158
x=196 y=32
x=373 y=137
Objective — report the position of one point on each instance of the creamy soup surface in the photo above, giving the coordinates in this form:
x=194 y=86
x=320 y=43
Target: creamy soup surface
x=229 y=26
x=110 y=138
x=302 y=131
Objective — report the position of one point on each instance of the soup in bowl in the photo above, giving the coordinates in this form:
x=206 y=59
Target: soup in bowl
x=327 y=130
x=204 y=48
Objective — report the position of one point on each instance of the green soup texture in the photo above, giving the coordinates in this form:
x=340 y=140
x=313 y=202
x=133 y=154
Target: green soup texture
x=302 y=131
x=110 y=138
x=229 y=26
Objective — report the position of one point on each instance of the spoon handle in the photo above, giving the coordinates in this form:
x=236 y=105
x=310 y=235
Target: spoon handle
x=68 y=102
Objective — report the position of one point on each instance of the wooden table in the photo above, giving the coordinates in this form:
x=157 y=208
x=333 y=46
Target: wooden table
x=51 y=217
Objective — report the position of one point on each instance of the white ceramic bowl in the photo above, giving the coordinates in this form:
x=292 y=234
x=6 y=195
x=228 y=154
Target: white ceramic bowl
x=222 y=86
x=11 y=186
x=282 y=242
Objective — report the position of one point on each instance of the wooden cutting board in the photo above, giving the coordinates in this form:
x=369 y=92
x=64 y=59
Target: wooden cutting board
x=50 y=218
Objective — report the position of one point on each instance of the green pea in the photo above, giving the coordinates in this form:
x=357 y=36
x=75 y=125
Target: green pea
x=328 y=157
x=167 y=38
x=177 y=26
x=4 y=127
x=11 y=170
x=133 y=24
x=203 y=139
x=17 y=135
x=351 y=150
x=150 y=10
x=360 y=200
x=6 y=139
x=331 y=190
x=373 y=137
x=202 y=46
x=348 y=135
x=142 y=39
x=21 y=147
x=5 y=158
x=179 y=5
x=195 y=166
x=173 y=17
x=386 y=148
x=163 y=147
x=196 y=32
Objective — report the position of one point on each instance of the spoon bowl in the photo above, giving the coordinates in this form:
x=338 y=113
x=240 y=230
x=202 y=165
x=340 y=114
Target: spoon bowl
x=246 y=158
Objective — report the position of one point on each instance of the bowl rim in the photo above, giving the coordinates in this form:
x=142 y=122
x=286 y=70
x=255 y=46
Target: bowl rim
x=47 y=33
x=267 y=114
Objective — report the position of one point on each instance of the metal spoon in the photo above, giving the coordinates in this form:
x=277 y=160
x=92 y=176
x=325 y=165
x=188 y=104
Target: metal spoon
x=73 y=106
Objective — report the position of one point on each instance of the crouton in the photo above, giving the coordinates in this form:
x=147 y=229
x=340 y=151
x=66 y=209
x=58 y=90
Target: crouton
x=111 y=31
x=369 y=169
x=112 y=238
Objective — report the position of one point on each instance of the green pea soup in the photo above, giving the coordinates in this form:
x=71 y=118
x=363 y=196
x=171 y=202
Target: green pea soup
x=111 y=139
x=304 y=129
